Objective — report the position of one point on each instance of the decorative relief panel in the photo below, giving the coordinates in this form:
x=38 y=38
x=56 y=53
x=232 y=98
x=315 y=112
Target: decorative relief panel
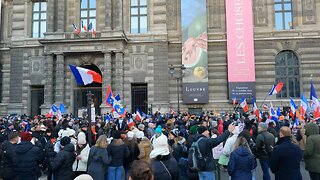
x=214 y=14
x=36 y=65
x=260 y=13
x=309 y=11
x=139 y=62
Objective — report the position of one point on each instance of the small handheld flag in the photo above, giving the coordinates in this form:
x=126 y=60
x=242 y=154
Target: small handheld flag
x=84 y=26
x=76 y=30
x=85 y=76
x=303 y=106
x=293 y=108
x=276 y=88
x=138 y=115
x=244 y=105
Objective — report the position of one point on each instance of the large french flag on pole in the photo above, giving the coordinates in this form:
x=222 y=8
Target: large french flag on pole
x=85 y=76
x=110 y=101
x=244 y=105
x=315 y=102
x=138 y=115
x=276 y=88
x=293 y=108
x=303 y=106
x=255 y=108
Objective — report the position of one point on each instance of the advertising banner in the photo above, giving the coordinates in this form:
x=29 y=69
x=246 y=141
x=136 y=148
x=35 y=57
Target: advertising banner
x=194 y=51
x=240 y=48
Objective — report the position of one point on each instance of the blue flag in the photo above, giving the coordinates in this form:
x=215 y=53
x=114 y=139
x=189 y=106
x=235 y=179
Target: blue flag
x=62 y=108
x=54 y=108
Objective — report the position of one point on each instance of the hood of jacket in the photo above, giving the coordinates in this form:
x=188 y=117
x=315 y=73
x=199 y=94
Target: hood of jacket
x=311 y=129
x=23 y=147
x=242 y=151
x=69 y=147
x=198 y=136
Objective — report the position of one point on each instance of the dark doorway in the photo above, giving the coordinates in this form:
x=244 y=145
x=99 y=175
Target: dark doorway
x=80 y=93
x=196 y=111
x=37 y=99
x=139 y=94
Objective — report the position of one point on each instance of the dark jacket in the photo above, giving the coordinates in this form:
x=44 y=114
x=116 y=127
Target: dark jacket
x=285 y=160
x=266 y=138
x=160 y=172
x=7 y=166
x=118 y=153
x=62 y=163
x=134 y=154
x=206 y=145
x=97 y=163
x=241 y=163
x=26 y=160
x=312 y=151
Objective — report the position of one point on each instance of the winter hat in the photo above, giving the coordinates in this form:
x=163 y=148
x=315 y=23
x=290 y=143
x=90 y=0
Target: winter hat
x=175 y=132
x=116 y=135
x=193 y=130
x=84 y=177
x=82 y=138
x=26 y=136
x=141 y=126
x=140 y=134
x=160 y=147
x=263 y=125
x=68 y=132
x=130 y=135
x=159 y=129
x=65 y=141
x=202 y=129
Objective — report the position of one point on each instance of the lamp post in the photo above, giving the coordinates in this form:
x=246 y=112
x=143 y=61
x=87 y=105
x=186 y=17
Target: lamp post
x=181 y=71
x=89 y=100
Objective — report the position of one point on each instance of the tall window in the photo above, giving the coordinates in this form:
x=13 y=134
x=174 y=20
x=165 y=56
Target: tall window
x=287 y=71
x=88 y=14
x=39 y=16
x=139 y=16
x=283 y=14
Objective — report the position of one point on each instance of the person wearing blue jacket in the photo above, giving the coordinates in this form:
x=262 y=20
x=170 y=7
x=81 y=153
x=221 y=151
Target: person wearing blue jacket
x=242 y=161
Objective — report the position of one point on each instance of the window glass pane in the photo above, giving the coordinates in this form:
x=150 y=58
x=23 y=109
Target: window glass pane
x=134 y=24
x=93 y=21
x=134 y=11
x=35 y=29
x=84 y=13
x=84 y=4
x=279 y=21
x=143 y=24
x=297 y=87
x=143 y=2
x=287 y=6
x=291 y=87
x=278 y=7
x=43 y=6
x=92 y=13
x=43 y=28
x=286 y=0
x=143 y=10
x=277 y=1
x=134 y=2
x=280 y=60
x=92 y=4
x=43 y=16
x=36 y=6
x=288 y=20
x=36 y=16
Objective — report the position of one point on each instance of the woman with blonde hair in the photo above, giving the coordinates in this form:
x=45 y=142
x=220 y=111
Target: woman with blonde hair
x=98 y=159
x=242 y=161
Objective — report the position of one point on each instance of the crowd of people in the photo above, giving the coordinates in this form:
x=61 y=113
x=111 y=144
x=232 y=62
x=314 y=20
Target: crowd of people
x=158 y=146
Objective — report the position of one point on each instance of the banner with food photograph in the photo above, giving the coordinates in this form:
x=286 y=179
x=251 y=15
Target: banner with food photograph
x=194 y=51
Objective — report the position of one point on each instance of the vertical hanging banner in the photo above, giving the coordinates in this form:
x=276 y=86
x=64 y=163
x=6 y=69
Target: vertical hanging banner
x=240 y=47
x=194 y=51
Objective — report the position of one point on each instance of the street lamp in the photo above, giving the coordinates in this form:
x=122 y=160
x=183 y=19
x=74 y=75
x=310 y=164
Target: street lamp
x=171 y=69
x=89 y=100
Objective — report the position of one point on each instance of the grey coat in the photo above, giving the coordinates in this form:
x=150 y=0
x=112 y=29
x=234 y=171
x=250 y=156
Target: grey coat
x=98 y=163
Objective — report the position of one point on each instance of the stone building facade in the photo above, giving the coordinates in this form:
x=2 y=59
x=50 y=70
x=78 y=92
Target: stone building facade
x=35 y=72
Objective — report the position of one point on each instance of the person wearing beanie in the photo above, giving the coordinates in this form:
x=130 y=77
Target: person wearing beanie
x=175 y=145
x=192 y=133
x=27 y=158
x=82 y=154
x=118 y=151
x=265 y=142
x=8 y=146
x=205 y=143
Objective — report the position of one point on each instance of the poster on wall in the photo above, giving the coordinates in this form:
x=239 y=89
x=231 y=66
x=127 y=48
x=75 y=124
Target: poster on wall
x=240 y=49
x=194 y=51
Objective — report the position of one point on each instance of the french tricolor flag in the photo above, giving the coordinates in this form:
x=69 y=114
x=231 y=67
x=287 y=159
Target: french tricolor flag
x=138 y=115
x=303 y=106
x=244 y=105
x=255 y=108
x=85 y=76
x=276 y=88
x=293 y=108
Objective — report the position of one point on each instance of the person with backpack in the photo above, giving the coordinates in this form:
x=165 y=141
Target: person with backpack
x=200 y=154
x=264 y=143
x=7 y=153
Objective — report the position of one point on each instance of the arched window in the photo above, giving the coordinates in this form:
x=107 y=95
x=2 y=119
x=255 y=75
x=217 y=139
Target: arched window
x=287 y=71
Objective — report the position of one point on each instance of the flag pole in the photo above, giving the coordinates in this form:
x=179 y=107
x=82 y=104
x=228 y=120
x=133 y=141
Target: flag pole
x=264 y=100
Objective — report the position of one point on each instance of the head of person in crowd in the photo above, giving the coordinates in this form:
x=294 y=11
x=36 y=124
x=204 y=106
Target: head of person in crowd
x=102 y=142
x=65 y=141
x=285 y=132
x=174 y=135
x=84 y=127
x=25 y=136
x=13 y=137
x=81 y=139
x=139 y=135
x=141 y=127
x=130 y=135
x=262 y=127
x=214 y=132
x=140 y=170
x=151 y=125
x=204 y=131
x=241 y=142
x=193 y=130
x=10 y=126
x=160 y=147
x=48 y=133
x=311 y=129
x=158 y=130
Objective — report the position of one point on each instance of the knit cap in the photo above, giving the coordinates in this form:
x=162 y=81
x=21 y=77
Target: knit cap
x=159 y=129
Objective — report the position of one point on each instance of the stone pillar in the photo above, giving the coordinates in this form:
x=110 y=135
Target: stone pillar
x=108 y=12
x=117 y=14
x=50 y=15
x=48 y=85
x=119 y=75
x=59 y=83
x=61 y=15
x=106 y=79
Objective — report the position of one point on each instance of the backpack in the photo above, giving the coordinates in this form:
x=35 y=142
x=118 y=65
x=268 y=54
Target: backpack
x=196 y=160
x=266 y=149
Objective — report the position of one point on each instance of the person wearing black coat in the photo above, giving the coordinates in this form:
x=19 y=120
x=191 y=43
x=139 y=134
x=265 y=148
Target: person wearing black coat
x=49 y=155
x=286 y=157
x=27 y=159
x=62 y=163
x=8 y=149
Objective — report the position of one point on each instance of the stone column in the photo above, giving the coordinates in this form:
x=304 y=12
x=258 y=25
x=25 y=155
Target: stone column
x=119 y=75
x=106 y=79
x=50 y=15
x=108 y=17
x=48 y=85
x=59 y=83
x=117 y=14
x=61 y=15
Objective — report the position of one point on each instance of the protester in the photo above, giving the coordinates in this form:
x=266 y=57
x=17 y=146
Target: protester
x=145 y=149
x=175 y=145
x=216 y=152
x=286 y=157
x=98 y=159
x=7 y=149
x=141 y=170
x=82 y=154
x=134 y=152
